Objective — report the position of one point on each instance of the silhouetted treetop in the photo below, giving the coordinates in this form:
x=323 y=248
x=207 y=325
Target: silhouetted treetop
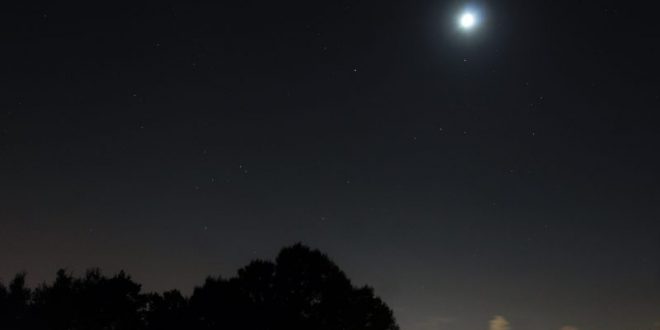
x=302 y=289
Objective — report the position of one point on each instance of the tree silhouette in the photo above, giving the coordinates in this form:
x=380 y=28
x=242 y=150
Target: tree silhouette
x=302 y=289
x=56 y=307
x=15 y=304
x=315 y=294
x=168 y=311
x=92 y=302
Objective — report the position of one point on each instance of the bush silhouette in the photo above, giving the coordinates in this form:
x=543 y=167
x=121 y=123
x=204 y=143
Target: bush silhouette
x=302 y=289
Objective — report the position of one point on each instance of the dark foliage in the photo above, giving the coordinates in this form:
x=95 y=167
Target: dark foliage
x=302 y=289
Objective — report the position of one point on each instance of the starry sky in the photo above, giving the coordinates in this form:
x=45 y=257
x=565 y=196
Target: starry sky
x=502 y=176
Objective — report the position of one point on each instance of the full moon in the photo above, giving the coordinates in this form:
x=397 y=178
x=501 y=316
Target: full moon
x=467 y=20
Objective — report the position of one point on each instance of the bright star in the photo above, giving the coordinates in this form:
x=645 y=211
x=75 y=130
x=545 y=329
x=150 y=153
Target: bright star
x=467 y=20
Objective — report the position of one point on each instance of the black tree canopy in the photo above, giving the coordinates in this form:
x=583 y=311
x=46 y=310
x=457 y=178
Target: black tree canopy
x=302 y=289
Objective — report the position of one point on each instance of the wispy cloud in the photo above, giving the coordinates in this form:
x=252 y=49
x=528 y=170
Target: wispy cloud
x=499 y=323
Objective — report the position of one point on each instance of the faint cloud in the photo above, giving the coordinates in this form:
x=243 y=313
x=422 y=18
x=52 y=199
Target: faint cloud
x=569 y=327
x=499 y=323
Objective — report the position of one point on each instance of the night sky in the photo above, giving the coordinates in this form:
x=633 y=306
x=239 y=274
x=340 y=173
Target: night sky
x=510 y=169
